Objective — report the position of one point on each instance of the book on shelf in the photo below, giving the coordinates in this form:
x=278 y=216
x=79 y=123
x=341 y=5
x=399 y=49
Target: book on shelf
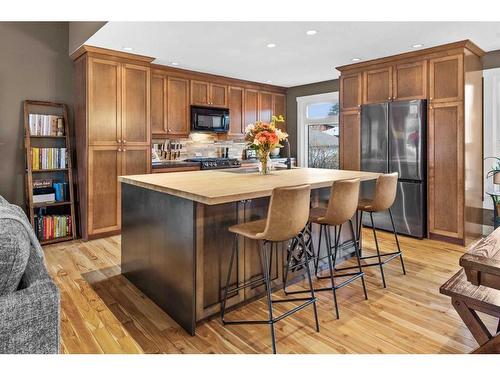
x=48 y=158
x=48 y=191
x=44 y=195
x=42 y=183
x=49 y=227
x=46 y=125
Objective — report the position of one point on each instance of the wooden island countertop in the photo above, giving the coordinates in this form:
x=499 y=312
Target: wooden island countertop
x=231 y=185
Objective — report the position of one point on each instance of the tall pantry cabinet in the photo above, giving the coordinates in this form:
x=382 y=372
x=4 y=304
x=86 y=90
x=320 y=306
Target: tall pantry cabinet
x=112 y=126
x=449 y=77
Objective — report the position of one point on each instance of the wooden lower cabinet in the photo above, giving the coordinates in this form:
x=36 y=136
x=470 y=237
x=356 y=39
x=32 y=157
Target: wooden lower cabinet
x=350 y=146
x=136 y=160
x=103 y=211
x=446 y=170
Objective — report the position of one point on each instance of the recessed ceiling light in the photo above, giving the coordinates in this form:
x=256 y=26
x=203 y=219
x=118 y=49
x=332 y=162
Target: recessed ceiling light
x=269 y=81
x=127 y=48
x=355 y=59
x=175 y=63
x=418 y=45
x=311 y=32
x=271 y=45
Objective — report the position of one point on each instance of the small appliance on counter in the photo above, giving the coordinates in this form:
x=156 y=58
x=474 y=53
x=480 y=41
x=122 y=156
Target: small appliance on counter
x=216 y=163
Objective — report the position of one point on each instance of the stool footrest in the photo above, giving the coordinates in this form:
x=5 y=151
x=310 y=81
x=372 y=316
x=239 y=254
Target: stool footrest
x=342 y=284
x=391 y=257
x=278 y=318
x=342 y=275
x=246 y=285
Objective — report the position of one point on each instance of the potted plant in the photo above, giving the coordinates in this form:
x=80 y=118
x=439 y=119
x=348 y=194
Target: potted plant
x=263 y=138
x=495 y=170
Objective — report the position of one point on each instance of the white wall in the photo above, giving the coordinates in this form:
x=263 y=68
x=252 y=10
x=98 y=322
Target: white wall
x=491 y=103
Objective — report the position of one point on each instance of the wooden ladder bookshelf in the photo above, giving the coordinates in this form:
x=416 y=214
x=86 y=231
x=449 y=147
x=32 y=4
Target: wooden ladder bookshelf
x=65 y=174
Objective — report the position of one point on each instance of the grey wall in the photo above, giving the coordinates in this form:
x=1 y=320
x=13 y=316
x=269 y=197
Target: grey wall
x=79 y=32
x=291 y=105
x=34 y=65
x=491 y=60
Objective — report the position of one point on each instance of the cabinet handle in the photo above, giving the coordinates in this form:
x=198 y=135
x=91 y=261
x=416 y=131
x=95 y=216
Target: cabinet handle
x=124 y=141
x=124 y=150
x=119 y=141
x=119 y=150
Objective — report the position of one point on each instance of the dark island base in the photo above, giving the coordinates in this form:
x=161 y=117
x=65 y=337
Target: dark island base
x=176 y=251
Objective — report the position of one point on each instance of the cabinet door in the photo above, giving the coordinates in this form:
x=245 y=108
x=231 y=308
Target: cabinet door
x=158 y=104
x=136 y=160
x=265 y=106
x=378 y=85
x=200 y=93
x=350 y=91
x=104 y=209
x=279 y=108
x=350 y=124
x=104 y=95
x=445 y=169
x=178 y=106
x=410 y=81
x=236 y=105
x=251 y=106
x=446 y=79
x=135 y=105
x=218 y=95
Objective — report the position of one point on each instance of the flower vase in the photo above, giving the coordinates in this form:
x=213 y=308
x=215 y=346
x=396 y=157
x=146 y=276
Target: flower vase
x=264 y=163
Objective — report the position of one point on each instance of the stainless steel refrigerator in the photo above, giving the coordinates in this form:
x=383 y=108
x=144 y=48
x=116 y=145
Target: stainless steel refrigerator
x=393 y=140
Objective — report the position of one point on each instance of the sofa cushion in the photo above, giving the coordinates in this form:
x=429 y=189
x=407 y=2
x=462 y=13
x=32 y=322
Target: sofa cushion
x=14 y=253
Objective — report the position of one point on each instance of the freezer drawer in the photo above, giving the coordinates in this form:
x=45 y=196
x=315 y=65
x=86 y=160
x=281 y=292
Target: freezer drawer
x=408 y=209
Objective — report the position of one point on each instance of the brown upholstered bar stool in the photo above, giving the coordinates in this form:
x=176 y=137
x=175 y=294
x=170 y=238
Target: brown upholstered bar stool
x=383 y=198
x=341 y=208
x=287 y=216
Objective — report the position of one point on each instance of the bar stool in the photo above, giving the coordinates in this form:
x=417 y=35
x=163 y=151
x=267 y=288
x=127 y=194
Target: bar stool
x=383 y=199
x=341 y=208
x=287 y=216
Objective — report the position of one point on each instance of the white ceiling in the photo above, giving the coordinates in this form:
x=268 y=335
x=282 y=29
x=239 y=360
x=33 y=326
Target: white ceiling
x=238 y=49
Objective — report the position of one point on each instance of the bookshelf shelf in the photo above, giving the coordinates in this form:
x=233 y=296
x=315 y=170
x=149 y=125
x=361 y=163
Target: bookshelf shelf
x=64 y=208
x=49 y=170
x=51 y=204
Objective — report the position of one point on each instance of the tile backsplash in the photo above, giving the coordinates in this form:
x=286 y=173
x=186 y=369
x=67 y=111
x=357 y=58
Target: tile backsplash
x=203 y=145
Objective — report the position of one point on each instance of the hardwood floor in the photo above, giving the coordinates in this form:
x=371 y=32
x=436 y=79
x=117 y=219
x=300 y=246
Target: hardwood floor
x=104 y=313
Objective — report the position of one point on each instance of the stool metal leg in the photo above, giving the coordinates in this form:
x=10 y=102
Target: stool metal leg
x=356 y=250
x=311 y=287
x=228 y=280
x=330 y=264
x=265 y=269
x=316 y=263
x=381 y=265
x=397 y=243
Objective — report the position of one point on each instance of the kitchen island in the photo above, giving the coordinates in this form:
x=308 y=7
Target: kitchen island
x=175 y=239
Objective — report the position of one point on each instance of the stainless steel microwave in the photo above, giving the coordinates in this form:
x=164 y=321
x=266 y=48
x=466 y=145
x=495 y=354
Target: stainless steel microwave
x=209 y=119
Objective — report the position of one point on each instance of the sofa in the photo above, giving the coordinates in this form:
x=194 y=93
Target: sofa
x=29 y=299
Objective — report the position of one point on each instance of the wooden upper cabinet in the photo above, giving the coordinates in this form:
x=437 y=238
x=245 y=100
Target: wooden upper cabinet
x=265 y=106
x=236 y=111
x=178 y=106
x=218 y=95
x=446 y=169
x=350 y=125
x=446 y=76
x=410 y=81
x=377 y=85
x=159 y=104
x=350 y=91
x=104 y=95
x=279 y=108
x=200 y=93
x=251 y=106
x=208 y=94
x=135 y=105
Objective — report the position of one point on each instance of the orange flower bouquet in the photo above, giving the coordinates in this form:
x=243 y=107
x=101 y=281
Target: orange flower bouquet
x=263 y=138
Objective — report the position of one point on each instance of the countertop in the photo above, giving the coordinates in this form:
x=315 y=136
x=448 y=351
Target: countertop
x=228 y=185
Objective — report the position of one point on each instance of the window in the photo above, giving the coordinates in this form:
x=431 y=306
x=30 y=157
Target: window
x=318 y=131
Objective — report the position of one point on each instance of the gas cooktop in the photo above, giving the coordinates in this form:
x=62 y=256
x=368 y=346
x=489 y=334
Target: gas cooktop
x=216 y=163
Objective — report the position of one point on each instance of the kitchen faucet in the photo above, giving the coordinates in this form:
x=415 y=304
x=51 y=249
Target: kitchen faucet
x=288 y=162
